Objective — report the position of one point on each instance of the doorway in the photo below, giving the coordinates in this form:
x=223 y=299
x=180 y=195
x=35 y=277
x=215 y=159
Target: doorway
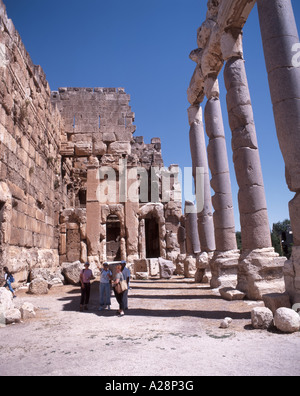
x=152 y=238
x=113 y=238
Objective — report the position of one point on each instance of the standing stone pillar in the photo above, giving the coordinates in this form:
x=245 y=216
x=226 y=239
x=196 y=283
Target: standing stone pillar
x=193 y=248
x=199 y=158
x=281 y=47
x=93 y=209
x=191 y=226
x=224 y=264
x=260 y=268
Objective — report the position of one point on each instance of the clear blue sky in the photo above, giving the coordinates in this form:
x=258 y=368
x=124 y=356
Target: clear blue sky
x=144 y=46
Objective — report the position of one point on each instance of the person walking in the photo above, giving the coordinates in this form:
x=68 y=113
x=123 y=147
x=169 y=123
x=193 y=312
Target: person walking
x=105 y=278
x=9 y=279
x=118 y=288
x=85 y=280
x=126 y=274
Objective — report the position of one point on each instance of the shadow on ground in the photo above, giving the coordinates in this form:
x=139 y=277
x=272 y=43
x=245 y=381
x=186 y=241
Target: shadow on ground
x=145 y=298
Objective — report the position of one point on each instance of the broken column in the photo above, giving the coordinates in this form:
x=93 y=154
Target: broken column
x=224 y=264
x=260 y=268
x=281 y=44
x=199 y=158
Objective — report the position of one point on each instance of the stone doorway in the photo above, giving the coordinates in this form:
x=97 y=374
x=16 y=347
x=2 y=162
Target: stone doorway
x=152 y=238
x=113 y=238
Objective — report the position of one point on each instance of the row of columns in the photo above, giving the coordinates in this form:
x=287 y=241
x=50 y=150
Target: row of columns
x=256 y=270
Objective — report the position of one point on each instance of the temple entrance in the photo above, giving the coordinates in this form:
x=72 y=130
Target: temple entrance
x=152 y=238
x=113 y=238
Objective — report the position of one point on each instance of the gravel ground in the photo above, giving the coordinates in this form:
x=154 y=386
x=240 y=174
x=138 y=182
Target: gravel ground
x=171 y=329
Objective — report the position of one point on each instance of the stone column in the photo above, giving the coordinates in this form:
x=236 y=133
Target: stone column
x=191 y=226
x=199 y=158
x=93 y=209
x=193 y=248
x=224 y=264
x=260 y=268
x=281 y=47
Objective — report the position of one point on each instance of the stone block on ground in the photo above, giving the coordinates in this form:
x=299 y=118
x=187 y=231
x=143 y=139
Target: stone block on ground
x=27 y=311
x=273 y=301
x=261 y=318
x=12 y=316
x=54 y=277
x=287 y=320
x=72 y=272
x=38 y=286
x=6 y=300
x=142 y=276
x=231 y=294
x=167 y=268
x=226 y=323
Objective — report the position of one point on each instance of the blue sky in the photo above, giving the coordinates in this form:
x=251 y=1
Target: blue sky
x=144 y=47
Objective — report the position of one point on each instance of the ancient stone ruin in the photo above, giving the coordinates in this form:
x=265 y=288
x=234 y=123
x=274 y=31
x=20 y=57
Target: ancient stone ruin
x=257 y=269
x=77 y=185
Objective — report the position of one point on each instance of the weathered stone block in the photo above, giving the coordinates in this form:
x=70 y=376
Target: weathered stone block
x=261 y=318
x=273 y=301
x=287 y=320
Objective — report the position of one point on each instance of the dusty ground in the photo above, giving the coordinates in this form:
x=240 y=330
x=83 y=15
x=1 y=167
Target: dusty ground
x=172 y=328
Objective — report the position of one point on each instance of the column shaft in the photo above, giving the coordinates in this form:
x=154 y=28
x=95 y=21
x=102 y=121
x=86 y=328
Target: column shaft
x=218 y=163
x=224 y=264
x=191 y=226
x=260 y=269
x=281 y=48
x=199 y=158
x=252 y=202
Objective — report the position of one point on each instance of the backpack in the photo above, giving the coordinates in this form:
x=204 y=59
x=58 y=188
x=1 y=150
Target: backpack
x=11 y=278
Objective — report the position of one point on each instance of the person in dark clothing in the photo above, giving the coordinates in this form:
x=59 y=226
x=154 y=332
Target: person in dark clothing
x=85 y=280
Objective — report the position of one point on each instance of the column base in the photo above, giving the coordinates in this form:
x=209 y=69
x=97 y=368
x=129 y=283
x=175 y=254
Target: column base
x=292 y=275
x=260 y=272
x=224 y=268
x=190 y=267
x=203 y=274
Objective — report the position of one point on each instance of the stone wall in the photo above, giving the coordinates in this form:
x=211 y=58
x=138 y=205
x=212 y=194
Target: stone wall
x=53 y=148
x=98 y=137
x=29 y=159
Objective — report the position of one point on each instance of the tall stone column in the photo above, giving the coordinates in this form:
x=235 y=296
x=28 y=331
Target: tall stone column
x=281 y=47
x=191 y=226
x=193 y=248
x=224 y=264
x=199 y=158
x=93 y=209
x=260 y=268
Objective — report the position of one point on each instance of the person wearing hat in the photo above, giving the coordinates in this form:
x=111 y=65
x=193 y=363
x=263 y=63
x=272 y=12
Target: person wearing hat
x=126 y=274
x=86 y=276
x=105 y=279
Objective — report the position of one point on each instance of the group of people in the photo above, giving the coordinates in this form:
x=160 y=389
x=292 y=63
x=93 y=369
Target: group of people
x=119 y=282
